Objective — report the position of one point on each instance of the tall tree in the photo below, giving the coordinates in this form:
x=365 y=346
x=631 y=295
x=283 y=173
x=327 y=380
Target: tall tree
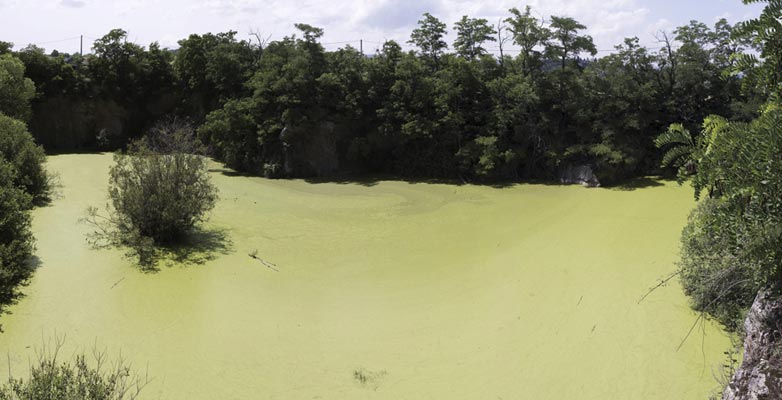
x=727 y=45
x=429 y=38
x=565 y=43
x=471 y=33
x=16 y=90
x=311 y=33
x=52 y=75
x=622 y=109
x=5 y=47
x=564 y=46
x=212 y=69
x=117 y=65
x=529 y=34
x=667 y=64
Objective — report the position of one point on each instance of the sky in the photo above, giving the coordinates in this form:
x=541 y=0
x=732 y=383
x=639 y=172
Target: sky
x=58 y=24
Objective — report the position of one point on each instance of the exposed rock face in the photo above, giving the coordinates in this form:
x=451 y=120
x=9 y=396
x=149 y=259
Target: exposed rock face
x=578 y=175
x=760 y=374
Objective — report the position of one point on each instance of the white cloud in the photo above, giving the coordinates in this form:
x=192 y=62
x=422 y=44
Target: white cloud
x=167 y=21
x=395 y=14
x=232 y=7
x=126 y=7
x=73 y=3
x=661 y=25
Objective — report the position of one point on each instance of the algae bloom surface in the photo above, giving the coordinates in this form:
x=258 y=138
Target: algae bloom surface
x=384 y=291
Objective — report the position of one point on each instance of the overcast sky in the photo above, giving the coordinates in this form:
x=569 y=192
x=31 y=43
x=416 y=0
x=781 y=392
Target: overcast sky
x=56 y=24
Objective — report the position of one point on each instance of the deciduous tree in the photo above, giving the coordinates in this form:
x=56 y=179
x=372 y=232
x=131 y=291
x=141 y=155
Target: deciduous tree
x=471 y=33
x=428 y=37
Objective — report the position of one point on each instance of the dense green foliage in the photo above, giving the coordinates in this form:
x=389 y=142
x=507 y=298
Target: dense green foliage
x=471 y=33
x=160 y=195
x=16 y=240
x=289 y=108
x=26 y=158
x=15 y=89
x=159 y=190
x=766 y=33
x=23 y=179
x=732 y=245
x=210 y=70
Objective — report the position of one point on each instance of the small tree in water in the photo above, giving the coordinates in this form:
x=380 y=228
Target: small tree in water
x=159 y=190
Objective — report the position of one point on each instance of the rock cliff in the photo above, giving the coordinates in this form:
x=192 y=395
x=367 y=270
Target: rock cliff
x=760 y=374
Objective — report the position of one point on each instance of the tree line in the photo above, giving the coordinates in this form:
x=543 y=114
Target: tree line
x=289 y=108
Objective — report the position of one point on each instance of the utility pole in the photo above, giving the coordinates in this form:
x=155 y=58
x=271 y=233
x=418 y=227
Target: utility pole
x=361 y=46
x=81 y=45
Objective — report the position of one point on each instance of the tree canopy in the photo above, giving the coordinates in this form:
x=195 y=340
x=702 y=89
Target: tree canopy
x=288 y=107
x=16 y=90
x=471 y=33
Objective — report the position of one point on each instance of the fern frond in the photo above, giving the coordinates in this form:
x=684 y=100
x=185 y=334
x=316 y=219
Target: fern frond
x=676 y=156
x=676 y=134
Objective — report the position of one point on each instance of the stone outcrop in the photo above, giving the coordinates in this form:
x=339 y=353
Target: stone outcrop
x=578 y=175
x=760 y=374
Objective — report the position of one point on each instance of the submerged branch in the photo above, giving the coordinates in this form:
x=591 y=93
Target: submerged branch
x=702 y=314
x=662 y=283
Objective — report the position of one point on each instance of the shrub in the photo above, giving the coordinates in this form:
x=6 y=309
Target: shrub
x=27 y=159
x=50 y=379
x=718 y=281
x=158 y=192
x=732 y=245
x=16 y=240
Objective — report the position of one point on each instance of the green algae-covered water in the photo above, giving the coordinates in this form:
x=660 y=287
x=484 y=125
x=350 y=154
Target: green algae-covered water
x=385 y=291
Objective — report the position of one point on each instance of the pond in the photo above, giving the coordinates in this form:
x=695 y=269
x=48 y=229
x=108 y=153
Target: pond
x=380 y=290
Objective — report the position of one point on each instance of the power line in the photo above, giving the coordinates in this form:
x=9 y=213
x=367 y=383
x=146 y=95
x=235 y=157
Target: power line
x=75 y=38
x=345 y=42
x=56 y=41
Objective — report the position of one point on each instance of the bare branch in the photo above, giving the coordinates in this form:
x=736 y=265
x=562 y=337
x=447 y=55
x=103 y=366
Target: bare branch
x=662 y=283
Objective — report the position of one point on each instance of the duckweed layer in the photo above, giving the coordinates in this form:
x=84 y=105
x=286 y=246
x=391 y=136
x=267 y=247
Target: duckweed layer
x=384 y=291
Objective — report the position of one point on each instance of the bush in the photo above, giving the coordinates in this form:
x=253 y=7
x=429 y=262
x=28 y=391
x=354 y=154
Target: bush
x=27 y=159
x=718 y=281
x=50 y=379
x=732 y=245
x=16 y=240
x=158 y=191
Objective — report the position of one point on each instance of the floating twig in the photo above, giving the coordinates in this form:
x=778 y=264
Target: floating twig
x=117 y=282
x=272 y=266
x=662 y=283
